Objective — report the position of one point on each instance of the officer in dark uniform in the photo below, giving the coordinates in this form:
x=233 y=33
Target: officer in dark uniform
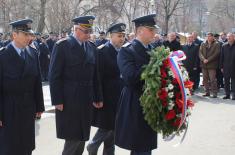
x=101 y=39
x=20 y=92
x=51 y=41
x=112 y=85
x=132 y=132
x=73 y=85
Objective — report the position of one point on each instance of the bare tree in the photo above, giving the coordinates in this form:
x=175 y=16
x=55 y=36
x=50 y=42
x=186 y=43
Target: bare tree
x=168 y=8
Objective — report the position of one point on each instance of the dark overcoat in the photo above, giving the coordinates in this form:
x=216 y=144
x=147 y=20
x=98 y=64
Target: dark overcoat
x=192 y=54
x=72 y=77
x=227 y=59
x=111 y=84
x=20 y=98
x=132 y=132
x=44 y=60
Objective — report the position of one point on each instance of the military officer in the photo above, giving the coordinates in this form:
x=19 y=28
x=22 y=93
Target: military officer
x=20 y=92
x=132 y=132
x=112 y=85
x=73 y=84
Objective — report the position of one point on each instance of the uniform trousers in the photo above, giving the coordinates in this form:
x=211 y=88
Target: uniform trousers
x=73 y=147
x=102 y=135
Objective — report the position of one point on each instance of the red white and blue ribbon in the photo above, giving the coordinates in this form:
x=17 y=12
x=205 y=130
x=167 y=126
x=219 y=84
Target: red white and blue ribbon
x=175 y=59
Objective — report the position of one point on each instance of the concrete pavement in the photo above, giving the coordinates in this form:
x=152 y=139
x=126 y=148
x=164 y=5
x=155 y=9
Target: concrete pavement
x=211 y=130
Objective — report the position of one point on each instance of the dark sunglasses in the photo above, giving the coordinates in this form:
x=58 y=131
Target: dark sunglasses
x=87 y=31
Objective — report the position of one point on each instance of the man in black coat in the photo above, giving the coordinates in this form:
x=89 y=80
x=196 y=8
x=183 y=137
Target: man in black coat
x=20 y=92
x=73 y=85
x=227 y=60
x=102 y=39
x=112 y=85
x=172 y=42
x=132 y=131
x=192 y=62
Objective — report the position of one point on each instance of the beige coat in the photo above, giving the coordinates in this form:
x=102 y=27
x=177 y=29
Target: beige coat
x=211 y=54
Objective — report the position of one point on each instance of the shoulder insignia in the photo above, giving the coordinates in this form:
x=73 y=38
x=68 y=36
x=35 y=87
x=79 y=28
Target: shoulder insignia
x=101 y=46
x=2 y=48
x=61 y=40
x=33 y=46
x=126 y=44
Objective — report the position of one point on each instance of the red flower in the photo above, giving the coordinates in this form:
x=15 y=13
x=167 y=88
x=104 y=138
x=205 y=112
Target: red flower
x=166 y=62
x=176 y=123
x=170 y=115
x=179 y=103
x=188 y=84
x=190 y=103
x=174 y=81
x=163 y=82
x=162 y=94
x=163 y=72
x=164 y=103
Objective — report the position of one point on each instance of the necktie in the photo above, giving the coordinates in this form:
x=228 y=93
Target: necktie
x=83 y=47
x=22 y=54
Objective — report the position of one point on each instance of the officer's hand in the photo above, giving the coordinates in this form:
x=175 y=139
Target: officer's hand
x=98 y=105
x=1 y=124
x=60 y=107
x=38 y=115
x=222 y=70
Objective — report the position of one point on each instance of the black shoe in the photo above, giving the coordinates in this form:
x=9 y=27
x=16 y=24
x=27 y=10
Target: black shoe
x=226 y=97
x=205 y=95
x=233 y=98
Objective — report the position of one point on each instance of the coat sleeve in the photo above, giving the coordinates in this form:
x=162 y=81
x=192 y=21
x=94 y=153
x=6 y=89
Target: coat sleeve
x=56 y=74
x=127 y=66
x=201 y=57
x=98 y=76
x=221 y=61
x=38 y=93
x=197 y=59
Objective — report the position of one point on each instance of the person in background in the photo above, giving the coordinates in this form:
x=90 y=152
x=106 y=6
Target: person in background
x=157 y=41
x=209 y=56
x=102 y=39
x=191 y=64
x=172 y=43
x=227 y=59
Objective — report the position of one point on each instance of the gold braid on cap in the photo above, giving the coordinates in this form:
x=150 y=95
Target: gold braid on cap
x=86 y=25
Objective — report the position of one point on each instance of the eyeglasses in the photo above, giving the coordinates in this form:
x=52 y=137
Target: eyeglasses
x=87 y=31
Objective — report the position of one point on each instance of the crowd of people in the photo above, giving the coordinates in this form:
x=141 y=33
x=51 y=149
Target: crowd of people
x=96 y=82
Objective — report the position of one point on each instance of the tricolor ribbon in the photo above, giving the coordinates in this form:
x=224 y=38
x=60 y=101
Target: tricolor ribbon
x=174 y=60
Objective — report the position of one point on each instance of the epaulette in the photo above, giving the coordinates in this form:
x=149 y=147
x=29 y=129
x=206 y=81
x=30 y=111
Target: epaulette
x=2 y=49
x=33 y=46
x=61 y=40
x=126 y=44
x=101 y=46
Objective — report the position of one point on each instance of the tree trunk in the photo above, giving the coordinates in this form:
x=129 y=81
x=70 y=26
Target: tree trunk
x=41 y=23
